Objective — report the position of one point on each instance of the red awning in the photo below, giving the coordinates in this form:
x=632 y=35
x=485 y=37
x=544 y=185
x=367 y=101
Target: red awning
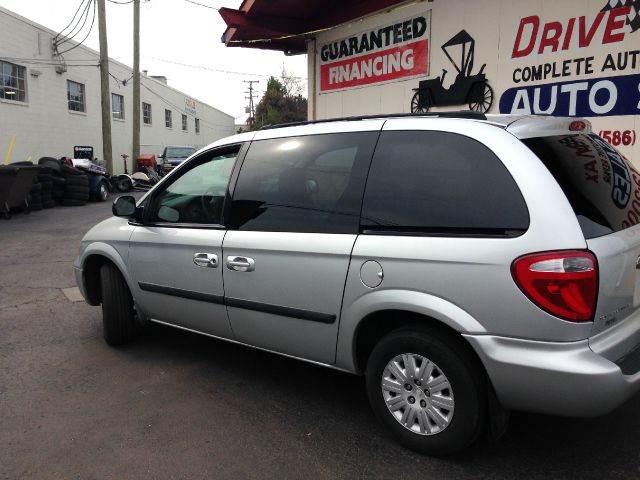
x=271 y=20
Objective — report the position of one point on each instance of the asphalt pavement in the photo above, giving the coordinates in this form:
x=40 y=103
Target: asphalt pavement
x=176 y=405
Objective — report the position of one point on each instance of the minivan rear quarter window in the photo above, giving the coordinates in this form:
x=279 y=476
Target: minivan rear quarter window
x=440 y=183
x=600 y=184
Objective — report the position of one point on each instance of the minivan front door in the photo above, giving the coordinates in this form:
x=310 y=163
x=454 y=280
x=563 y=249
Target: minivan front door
x=176 y=254
x=294 y=220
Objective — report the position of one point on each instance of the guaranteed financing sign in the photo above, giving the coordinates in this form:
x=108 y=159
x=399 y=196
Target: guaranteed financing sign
x=390 y=52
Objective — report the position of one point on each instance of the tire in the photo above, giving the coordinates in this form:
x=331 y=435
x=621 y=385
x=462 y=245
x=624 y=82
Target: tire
x=83 y=197
x=77 y=180
x=70 y=171
x=123 y=184
x=50 y=162
x=36 y=188
x=35 y=198
x=458 y=415
x=117 y=306
x=77 y=189
x=48 y=204
x=71 y=202
x=103 y=192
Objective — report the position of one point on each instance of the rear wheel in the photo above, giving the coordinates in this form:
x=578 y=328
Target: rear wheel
x=427 y=391
x=117 y=306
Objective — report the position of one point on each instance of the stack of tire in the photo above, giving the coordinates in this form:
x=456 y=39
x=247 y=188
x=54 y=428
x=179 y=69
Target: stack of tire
x=53 y=167
x=76 y=188
x=35 y=196
x=45 y=179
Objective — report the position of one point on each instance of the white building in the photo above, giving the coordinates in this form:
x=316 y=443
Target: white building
x=51 y=103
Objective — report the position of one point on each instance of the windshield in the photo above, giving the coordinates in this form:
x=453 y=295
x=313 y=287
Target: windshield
x=179 y=152
x=600 y=184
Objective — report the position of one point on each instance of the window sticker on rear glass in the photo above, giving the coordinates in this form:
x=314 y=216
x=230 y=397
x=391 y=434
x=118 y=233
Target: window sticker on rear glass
x=601 y=185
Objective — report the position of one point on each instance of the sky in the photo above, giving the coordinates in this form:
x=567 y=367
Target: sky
x=177 y=31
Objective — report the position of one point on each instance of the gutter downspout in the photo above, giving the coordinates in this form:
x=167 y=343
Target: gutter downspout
x=311 y=68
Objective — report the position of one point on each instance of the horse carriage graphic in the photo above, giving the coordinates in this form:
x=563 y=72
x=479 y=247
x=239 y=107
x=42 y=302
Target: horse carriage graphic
x=466 y=88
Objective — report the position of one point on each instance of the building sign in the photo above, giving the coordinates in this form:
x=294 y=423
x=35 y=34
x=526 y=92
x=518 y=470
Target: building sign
x=190 y=105
x=598 y=79
x=390 y=52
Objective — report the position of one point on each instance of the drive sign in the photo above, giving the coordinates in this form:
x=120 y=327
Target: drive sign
x=391 y=52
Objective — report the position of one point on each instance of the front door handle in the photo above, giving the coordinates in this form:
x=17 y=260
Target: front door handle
x=241 y=264
x=205 y=260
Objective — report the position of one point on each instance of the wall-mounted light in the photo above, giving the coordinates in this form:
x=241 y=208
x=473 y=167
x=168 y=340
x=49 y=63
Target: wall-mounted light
x=35 y=73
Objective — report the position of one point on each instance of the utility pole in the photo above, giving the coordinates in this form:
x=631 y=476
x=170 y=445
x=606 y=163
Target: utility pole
x=136 y=85
x=104 y=89
x=252 y=111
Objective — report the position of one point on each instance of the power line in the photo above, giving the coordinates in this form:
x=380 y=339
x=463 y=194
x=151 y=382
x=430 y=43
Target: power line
x=87 y=35
x=202 y=5
x=217 y=70
x=171 y=104
x=72 y=34
x=44 y=61
x=72 y=20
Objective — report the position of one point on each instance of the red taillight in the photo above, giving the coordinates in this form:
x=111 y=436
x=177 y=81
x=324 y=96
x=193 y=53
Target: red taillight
x=564 y=283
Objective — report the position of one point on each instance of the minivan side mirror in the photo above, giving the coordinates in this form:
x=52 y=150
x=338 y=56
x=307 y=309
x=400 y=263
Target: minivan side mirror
x=124 y=206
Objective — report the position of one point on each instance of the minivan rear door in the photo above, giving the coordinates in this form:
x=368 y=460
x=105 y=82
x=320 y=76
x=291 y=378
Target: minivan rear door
x=604 y=190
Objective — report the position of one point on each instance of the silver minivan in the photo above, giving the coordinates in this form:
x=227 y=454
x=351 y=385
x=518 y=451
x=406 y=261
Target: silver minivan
x=468 y=265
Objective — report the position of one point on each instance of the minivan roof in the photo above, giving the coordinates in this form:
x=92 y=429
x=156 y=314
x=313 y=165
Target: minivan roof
x=521 y=126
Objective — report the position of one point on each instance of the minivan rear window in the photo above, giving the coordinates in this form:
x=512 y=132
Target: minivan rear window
x=599 y=182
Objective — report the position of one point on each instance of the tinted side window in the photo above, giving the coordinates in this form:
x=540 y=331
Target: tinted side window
x=600 y=184
x=303 y=184
x=443 y=184
x=197 y=195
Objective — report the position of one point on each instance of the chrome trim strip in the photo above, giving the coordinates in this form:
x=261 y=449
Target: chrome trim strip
x=230 y=340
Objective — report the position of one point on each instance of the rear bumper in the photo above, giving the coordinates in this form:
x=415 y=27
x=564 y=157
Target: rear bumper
x=568 y=379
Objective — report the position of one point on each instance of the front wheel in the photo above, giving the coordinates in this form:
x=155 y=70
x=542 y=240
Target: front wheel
x=427 y=391
x=103 y=192
x=117 y=306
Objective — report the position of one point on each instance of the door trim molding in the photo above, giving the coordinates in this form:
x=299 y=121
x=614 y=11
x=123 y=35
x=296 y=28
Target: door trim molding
x=179 y=292
x=299 y=313
x=280 y=310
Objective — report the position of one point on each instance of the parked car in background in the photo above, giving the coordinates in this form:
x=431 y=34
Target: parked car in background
x=174 y=155
x=468 y=265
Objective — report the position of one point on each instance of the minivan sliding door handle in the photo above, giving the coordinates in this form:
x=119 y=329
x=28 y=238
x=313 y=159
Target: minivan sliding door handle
x=241 y=264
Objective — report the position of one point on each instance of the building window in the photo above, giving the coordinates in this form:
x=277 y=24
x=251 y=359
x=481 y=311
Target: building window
x=168 y=122
x=75 y=96
x=197 y=125
x=146 y=113
x=12 y=82
x=117 y=106
x=184 y=123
